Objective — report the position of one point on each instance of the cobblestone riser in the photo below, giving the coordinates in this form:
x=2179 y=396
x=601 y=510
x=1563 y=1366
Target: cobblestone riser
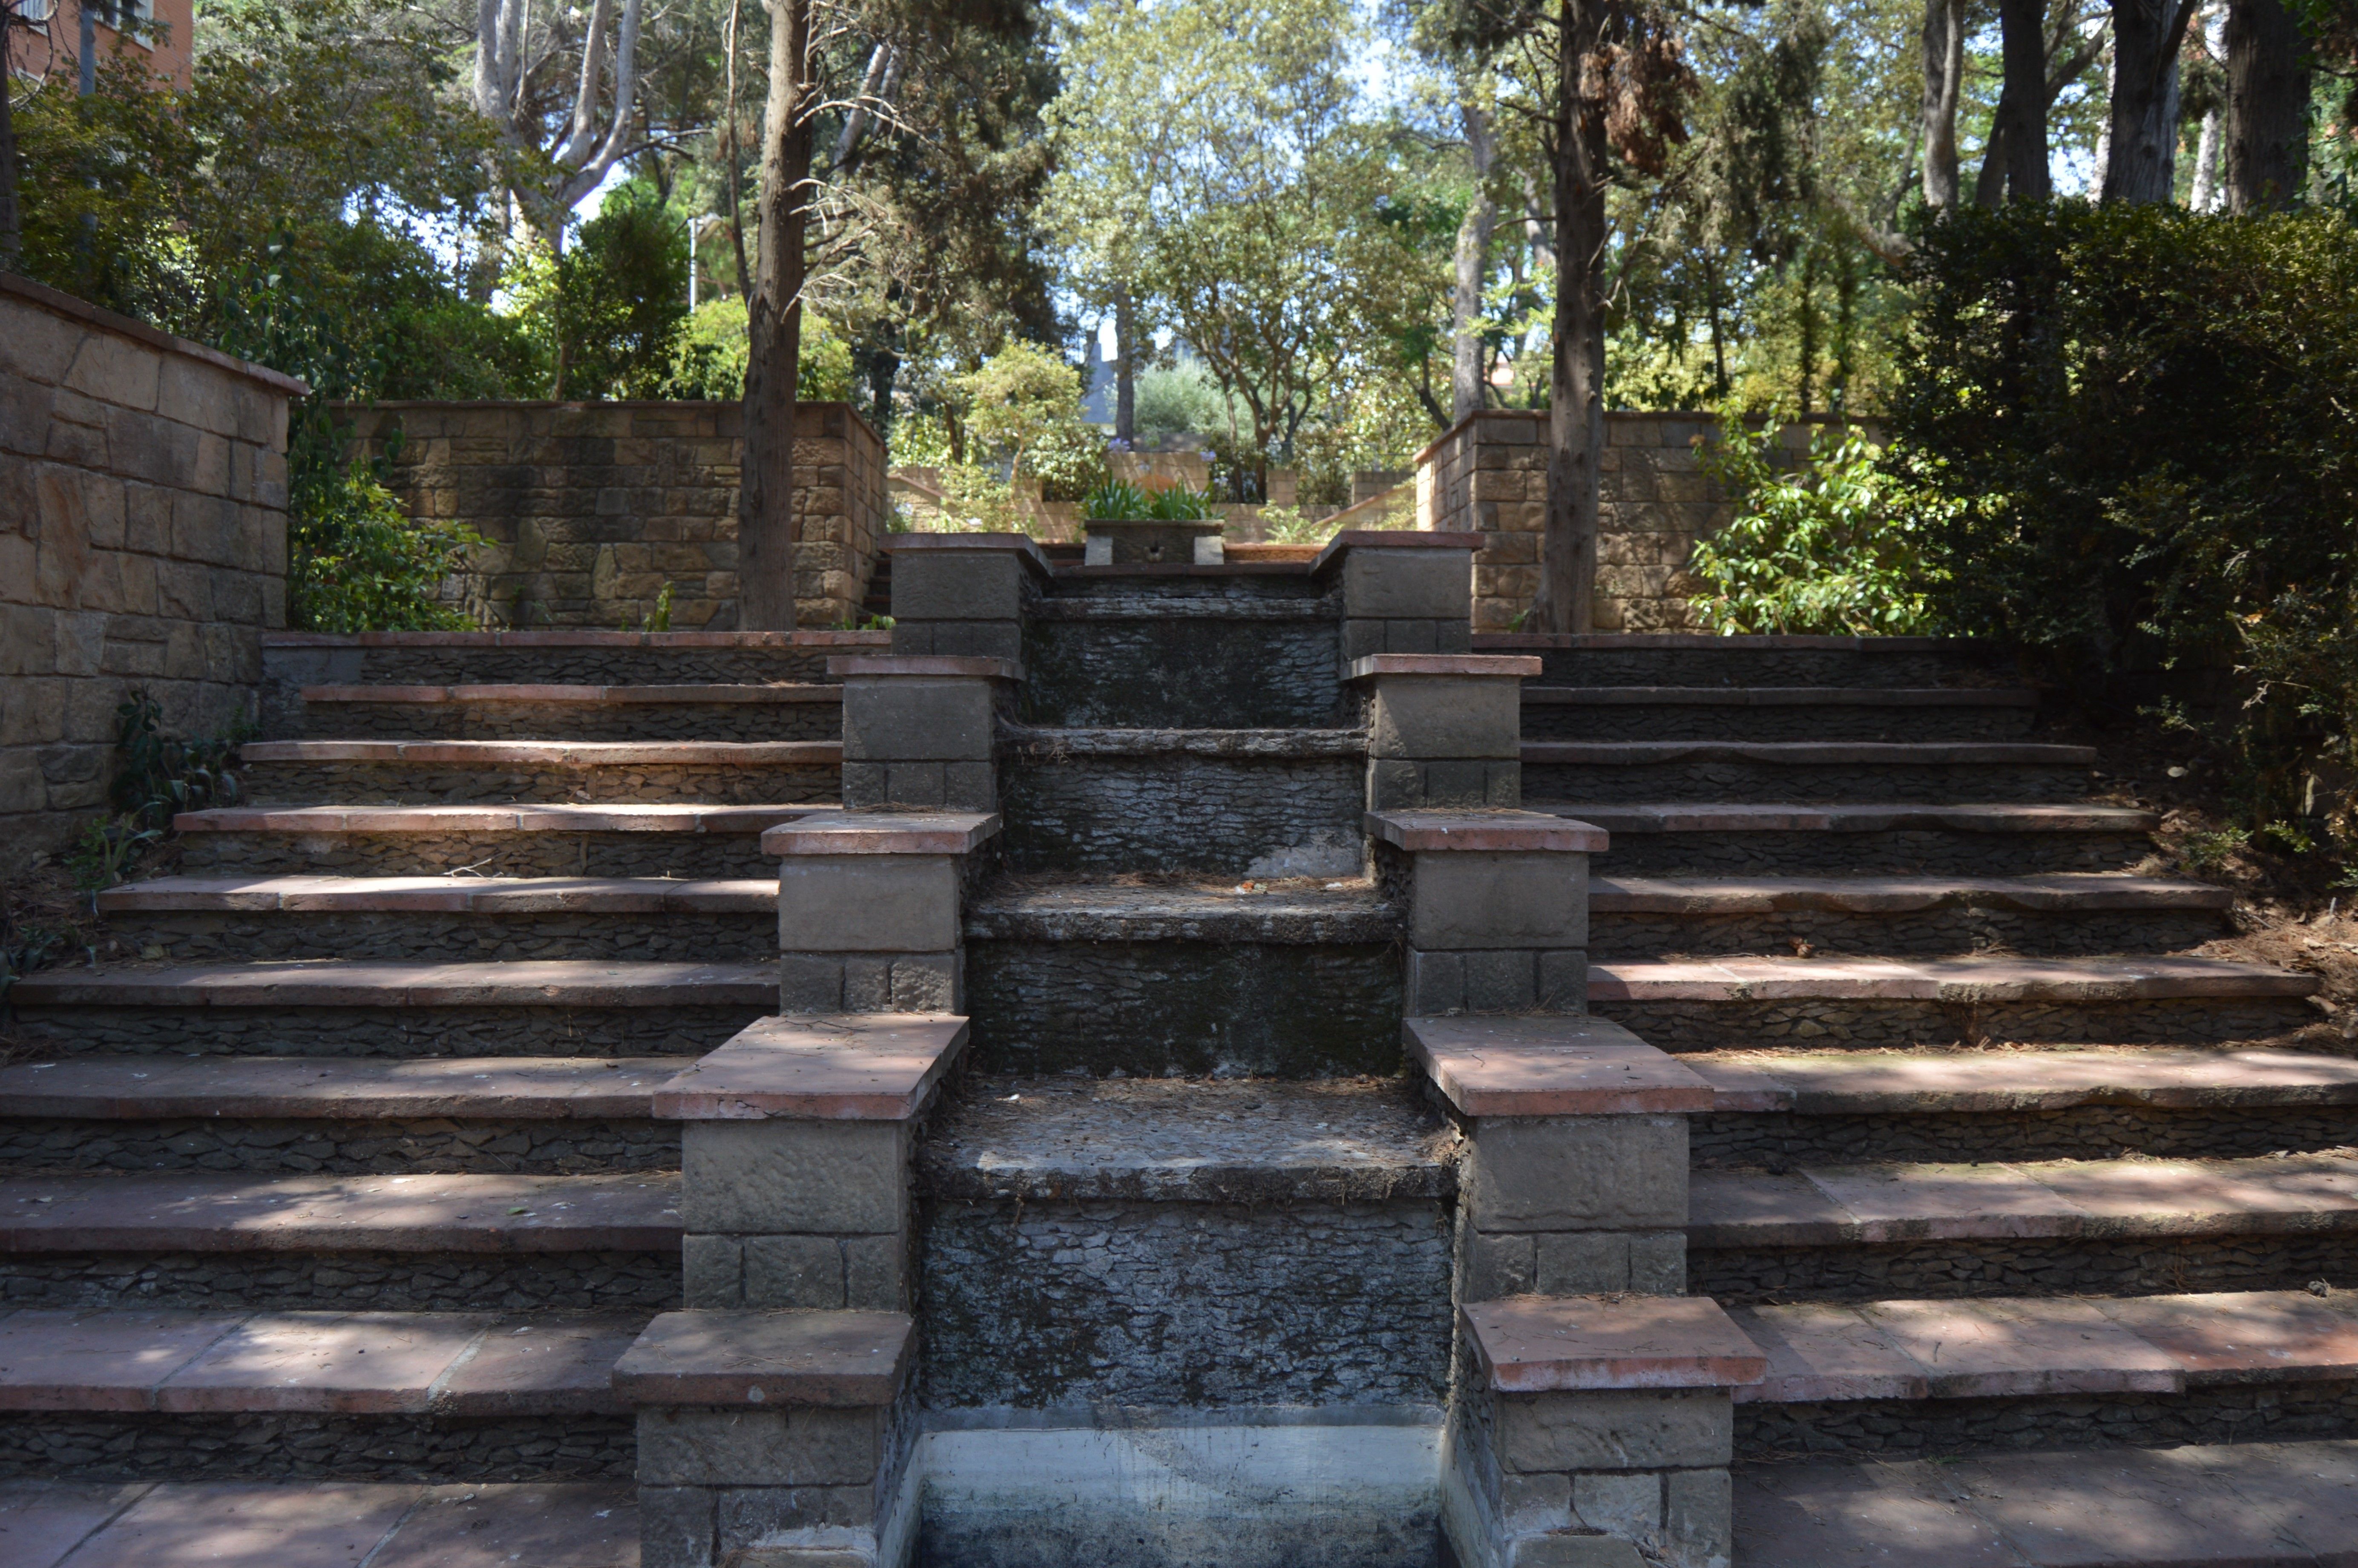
x=456 y=938
x=150 y=1446
x=1922 y=933
x=1688 y=721
x=1932 y=783
x=2262 y=1412
x=383 y=1031
x=1909 y=852
x=1740 y=1025
x=574 y=721
x=2079 y=1132
x=1196 y=1008
x=1188 y=1304
x=2058 y=1266
x=275 y=1146
x=1229 y=817
x=516 y=854
x=1766 y=667
x=1184 y=675
x=445 y=783
x=342 y=1281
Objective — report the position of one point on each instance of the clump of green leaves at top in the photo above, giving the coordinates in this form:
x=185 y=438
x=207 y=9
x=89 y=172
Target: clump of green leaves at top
x=1114 y=499
x=356 y=560
x=1118 y=500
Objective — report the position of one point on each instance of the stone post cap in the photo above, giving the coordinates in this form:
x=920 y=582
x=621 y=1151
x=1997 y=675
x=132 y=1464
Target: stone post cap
x=1351 y=539
x=1427 y=832
x=930 y=667
x=881 y=833
x=873 y=1066
x=1496 y=665
x=1022 y=546
x=1563 y=1065
x=767 y=1358
x=1539 y=1345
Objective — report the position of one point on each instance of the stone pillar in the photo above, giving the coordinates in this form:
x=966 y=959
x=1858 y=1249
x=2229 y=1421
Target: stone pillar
x=869 y=907
x=1403 y=591
x=920 y=732
x=964 y=594
x=1497 y=906
x=1444 y=731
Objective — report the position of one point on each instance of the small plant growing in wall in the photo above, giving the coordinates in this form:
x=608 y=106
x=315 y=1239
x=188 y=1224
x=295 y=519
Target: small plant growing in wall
x=1119 y=501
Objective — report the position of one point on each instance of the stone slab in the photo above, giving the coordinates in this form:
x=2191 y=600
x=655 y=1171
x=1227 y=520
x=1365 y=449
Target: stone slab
x=258 y=1525
x=467 y=895
x=580 y=1524
x=2246 y=1337
x=551 y=1362
x=2052 y=892
x=1351 y=539
x=1777 y=696
x=1020 y=546
x=1431 y=832
x=771 y=1358
x=881 y=833
x=1846 y=1083
x=1568 y=1066
x=338 y=982
x=2022 y=1347
x=442 y=820
x=553 y=753
x=929 y=666
x=342 y=1363
x=94 y=1360
x=1860 y=1516
x=1529 y=1345
x=1808 y=753
x=832 y=1067
x=1744 y=817
x=1500 y=666
x=578 y=637
x=41 y=1521
x=2123 y=1506
x=1936 y=979
x=1821 y=1352
x=748 y=694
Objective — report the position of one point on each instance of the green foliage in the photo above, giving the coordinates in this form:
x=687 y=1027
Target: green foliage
x=1021 y=397
x=1177 y=400
x=1179 y=504
x=607 y=311
x=356 y=560
x=1115 y=500
x=1833 y=546
x=157 y=777
x=709 y=353
x=1069 y=459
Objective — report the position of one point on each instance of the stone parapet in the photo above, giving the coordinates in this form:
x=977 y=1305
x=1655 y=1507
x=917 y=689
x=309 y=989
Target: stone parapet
x=964 y=594
x=1444 y=729
x=868 y=910
x=921 y=732
x=1498 y=908
x=1403 y=592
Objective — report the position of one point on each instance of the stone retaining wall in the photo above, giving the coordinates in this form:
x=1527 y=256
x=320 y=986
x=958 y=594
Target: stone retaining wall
x=592 y=508
x=143 y=541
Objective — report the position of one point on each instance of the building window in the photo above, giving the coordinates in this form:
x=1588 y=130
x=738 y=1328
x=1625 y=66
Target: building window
x=34 y=11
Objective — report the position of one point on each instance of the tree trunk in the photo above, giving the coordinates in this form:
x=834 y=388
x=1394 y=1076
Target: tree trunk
x=2022 y=102
x=1809 y=326
x=1125 y=366
x=2268 y=106
x=1473 y=262
x=1567 y=590
x=1945 y=73
x=2204 y=197
x=12 y=226
x=766 y=526
x=2142 y=155
x=1989 y=185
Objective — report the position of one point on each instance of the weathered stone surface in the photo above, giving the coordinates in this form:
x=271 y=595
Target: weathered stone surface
x=1577 y=1172
x=758 y=1362
x=845 y=1067
x=769 y=1177
x=1549 y=1066
x=1650 y=1430
x=1539 y=1345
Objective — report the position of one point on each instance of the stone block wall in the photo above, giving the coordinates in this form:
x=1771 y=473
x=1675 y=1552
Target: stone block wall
x=143 y=541
x=591 y=508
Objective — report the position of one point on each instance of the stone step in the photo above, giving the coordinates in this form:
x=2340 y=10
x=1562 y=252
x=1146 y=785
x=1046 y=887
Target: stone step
x=745 y=712
x=1792 y=1106
x=541 y=839
x=1261 y=803
x=1729 y=838
x=2065 y=912
x=1928 y=772
x=1730 y=1003
x=331 y=1524
x=354 y=1009
x=2256 y=1505
x=1691 y=658
x=342 y=1114
x=633 y=772
x=2132 y=1226
x=194 y=919
x=1293 y=978
x=414 y=1243
x=1253 y=652
x=1777 y=713
x=1168 y=1242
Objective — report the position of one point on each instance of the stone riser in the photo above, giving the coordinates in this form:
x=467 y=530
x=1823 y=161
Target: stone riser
x=250 y=1446
x=343 y=1282
x=2078 y=1133
x=1922 y=932
x=1741 y=1025
x=2041 y=1266
x=1193 y=1009
x=1687 y=721
x=451 y=937
x=1908 y=852
x=1137 y=1533
x=1225 y=817
x=573 y=722
x=1067 y=1305
x=445 y=783
x=303 y=1031
x=277 y=1146
x=516 y=854
x=1761 y=666
x=2264 y=1412
x=1928 y=783
x=1184 y=675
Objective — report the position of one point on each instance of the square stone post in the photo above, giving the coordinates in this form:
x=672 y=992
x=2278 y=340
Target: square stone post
x=1403 y=591
x=1444 y=730
x=964 y=594
x=773 y=1439
x=1498 y=907
x=920 y=732
x=869 y=907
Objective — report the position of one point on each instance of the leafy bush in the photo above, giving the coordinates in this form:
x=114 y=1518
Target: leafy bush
x=1178 y=504
x=1114 y=499
x=355 y=560
x=157 y=777
x=708 y=358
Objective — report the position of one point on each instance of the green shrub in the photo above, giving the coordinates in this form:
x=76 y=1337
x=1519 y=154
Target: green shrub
x=355 y=560
x=1115 y=500
x=708 y=358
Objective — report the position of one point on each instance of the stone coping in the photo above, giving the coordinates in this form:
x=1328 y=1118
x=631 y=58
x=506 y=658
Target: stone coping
x=876 y=1067
x=1808 y=753
x=775 y=692
x=584 y=638
x=1251 y=566
x=1426 y=832
x=336 y=1089
x=1936 y=979
x=1873 y=817
x=553 y=753
x=2057 y=892
x=1319 y=912
x=342 y=1363
x=837 y=832
x=935 y=666
x=554 y=817
x=1351 y=539
x=1057 y=745
x=1851 y=1083
x=2018 y=1348
x=347 y=982
x=66 y=304
x=204 y=1212
x=1206 y=526
x=1461 y=664
x=1024 y=547
x=1550 y=1067
x=768 y=1358
x=1647 y=642
x=1539 y=1344
x=1777 y=696
x=423 y=895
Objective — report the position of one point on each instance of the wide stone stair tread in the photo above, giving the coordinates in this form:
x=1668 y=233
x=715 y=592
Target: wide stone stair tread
x=1975 y=980
x=2251 y=1505
x=572 y=637
x=1747 y=816
x=1069 y=1140
x=1851 y=1083
x=1778 y=697
x=319 y=1524
x=630 y=1212
x=772 y=693
x=475 y=895
x=1809 y=753
x=338 y=982
x=1336 y=909
x=553 y=754
x=1041 y=744
x=336 y=1089
x=2056 y=892
x=548 y=816
x=1830 y=1205
x=1716 y=642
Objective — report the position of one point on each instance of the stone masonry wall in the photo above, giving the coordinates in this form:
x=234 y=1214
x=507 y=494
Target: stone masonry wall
x=590 y=508
x=143 y=541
